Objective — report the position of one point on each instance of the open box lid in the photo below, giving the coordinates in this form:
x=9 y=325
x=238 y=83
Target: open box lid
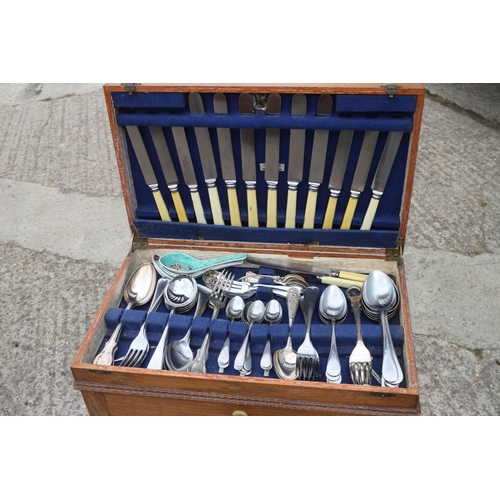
x=387 y=113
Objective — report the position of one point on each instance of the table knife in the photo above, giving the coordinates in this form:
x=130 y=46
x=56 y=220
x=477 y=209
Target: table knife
x=381 y=176
x=227 y=161
x=292 y=266
x=207 y=158
x=337 y=175
x=182 y=147
x=360 y=175
x=168 y=171
x=318 y=158
x=248 y=164
x=147 y=170
x=272 y=164
x=295 y=160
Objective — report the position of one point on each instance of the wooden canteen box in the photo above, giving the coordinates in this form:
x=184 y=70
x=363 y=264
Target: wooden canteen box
x=255 y=188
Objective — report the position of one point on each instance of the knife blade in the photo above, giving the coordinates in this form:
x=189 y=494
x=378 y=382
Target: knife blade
x=182 y=147
x=168 y=169
x=318 y=158
x=248 y=164
x=227 y=161
x=360 y=175
x=207 y=158
x=272 y=161
x=295 y=160
x=294 y=266
x=337 y=175
x=381 y=176
x=147 y=170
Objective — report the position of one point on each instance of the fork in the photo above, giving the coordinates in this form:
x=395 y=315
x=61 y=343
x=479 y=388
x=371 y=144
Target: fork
x=307 y=356
x=217 y=299
x=139 y=347
x=360 y=360
x=220 y=292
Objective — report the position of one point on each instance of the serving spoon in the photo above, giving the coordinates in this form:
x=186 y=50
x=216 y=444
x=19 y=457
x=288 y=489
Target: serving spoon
x=137 y=292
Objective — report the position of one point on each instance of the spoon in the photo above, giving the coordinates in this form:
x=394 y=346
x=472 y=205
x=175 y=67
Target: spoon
x=138 y=291
x=285 y=360
x=253 y=313
x=380 y=295
x=333 y=309
x=178 y=354
x=234 y=312
x=273 y=314
x=157 y=361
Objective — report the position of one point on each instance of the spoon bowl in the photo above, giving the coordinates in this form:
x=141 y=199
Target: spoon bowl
x=234 y=312
x=380 y=296
x=273 y=314
x=333 y=310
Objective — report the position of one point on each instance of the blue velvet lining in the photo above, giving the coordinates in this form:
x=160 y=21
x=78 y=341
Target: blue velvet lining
x=320 y=334
x=351 y=112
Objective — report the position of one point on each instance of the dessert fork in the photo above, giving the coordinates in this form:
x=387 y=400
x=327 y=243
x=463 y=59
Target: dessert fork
x=307 y=356
x=360 y=360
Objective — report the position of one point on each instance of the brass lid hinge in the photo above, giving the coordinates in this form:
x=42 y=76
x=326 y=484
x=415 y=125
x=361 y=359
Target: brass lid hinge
x=138 y=242
x=395 y=254
x=391 y=89
x=130 y=87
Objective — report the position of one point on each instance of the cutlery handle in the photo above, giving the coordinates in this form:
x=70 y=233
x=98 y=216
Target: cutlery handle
x=312 y=198
x=291 y=209
x=330 y=212
x=223 y=359
x=349 y=213
x=198 y=207
x=215 y=205
x=272 y=207
x=239 y=361
x=179 y=206
x=370 y=213
x=253 y=214
x=341 y=282
x=234 y=207
x=333 y=364
x=160 y=204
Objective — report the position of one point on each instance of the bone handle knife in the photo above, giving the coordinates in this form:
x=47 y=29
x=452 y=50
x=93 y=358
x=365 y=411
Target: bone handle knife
x=360 y=175
x=207 y=158
x=318 y=158
x=188 y=172
x=272 y=162
x=295 y=160
x=248 y=164
x=381 y=176
x=147 y=170
x=227 y=161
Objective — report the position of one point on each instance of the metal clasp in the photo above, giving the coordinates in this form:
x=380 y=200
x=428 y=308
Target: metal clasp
x=391 y=89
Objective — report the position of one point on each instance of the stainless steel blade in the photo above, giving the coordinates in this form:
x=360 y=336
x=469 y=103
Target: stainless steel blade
x=182 y=147
x=320 y=143
x=225 y=144
x=203 y=140
x=248 y=164
x=386 y=162
x=364 y=161
x=340 y=161
x=272 y=141
x=163 y=153
x=227 y=161
x=142 y=156
x=297 y=142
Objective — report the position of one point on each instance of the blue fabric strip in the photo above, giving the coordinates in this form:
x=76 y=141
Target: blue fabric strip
x=320 y=333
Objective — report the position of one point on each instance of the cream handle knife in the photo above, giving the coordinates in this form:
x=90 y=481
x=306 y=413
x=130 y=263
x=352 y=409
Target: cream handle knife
x=147 y=170
x=381 y=176
x=272 y=161
x=360 y=175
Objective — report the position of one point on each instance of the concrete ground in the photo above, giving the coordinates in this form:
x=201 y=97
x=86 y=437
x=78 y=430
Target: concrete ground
x=64 y=234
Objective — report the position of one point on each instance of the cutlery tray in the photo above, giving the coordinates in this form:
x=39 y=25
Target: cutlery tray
x=115 y=390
